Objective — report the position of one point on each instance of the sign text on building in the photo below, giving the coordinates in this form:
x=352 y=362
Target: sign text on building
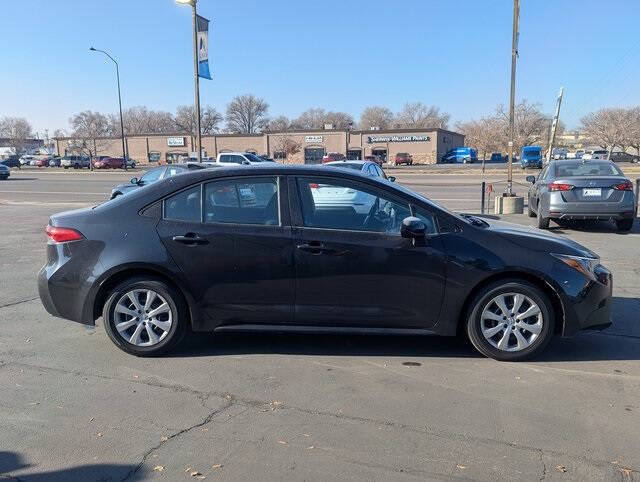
x=312 y=139
x=175 y=141
x=374 y=139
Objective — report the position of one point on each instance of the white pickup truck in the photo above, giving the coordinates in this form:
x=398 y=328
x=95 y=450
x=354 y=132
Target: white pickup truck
x=236 y=158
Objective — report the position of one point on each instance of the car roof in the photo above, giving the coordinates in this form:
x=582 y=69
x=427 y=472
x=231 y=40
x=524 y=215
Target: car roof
x=347 y=161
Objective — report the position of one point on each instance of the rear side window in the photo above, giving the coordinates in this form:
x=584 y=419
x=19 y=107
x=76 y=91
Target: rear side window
x=184 y=206
x=242 y=201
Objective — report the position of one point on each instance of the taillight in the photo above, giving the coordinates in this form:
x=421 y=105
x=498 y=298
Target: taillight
x=560 y=186
x=313 y=185
x=624 y=186
x=62 y=235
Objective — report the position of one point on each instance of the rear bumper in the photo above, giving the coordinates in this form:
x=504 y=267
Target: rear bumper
x=592 y=210
x=65 y=284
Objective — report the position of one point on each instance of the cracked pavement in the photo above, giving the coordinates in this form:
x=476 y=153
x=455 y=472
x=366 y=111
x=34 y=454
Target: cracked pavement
x=246 y=407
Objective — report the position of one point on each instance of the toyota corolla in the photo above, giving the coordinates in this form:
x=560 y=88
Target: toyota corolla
x=238 y=249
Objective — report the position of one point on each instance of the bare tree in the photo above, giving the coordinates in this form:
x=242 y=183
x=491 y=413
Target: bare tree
x=416 y=115
x=285 y=146
x=140 y=120
x=185 y=120
x=90 y=128
x=633 y=138
x=339 y=120
x=16 y=130
x=483 y=134
x=247 y=114
x=313 y=118
x=609 y=127
x=376 y=117
x=531 y=126
x=280 y=123
x=58 y=133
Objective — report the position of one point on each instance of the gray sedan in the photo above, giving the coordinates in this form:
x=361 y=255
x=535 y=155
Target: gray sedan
x=582 y=189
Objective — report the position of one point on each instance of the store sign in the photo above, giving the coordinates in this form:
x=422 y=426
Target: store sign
x=376 y=139
x=312 y=139
x=175 y=141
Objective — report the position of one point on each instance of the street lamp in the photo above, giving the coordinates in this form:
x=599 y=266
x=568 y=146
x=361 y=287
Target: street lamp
x=124 y=154
x=195 y=71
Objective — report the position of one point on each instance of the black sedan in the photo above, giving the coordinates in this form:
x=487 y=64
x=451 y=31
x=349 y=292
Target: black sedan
x=237 y=249
x=154 y=175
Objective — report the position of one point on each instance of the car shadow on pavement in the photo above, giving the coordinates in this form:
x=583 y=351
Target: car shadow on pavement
x=619 y=342
x=12 y=461
x=14 y=179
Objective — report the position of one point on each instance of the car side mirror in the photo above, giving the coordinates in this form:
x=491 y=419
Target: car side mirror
x=392 y=178
x=134 y=180
x=413 y=227
x=246 y=163
x=531 y=179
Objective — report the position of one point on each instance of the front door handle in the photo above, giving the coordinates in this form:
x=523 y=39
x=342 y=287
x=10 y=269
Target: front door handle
x=317 y=248
x=190 y=239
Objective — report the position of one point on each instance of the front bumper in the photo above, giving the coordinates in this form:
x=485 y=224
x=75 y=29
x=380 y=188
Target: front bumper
x=586 y=302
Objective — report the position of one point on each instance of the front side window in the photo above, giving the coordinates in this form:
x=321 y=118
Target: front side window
x=184 y=206
x=340 y=204
x=242 y=201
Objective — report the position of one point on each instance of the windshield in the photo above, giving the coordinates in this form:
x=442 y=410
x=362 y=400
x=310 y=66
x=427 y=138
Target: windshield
x=253 y=157
x=587 y=169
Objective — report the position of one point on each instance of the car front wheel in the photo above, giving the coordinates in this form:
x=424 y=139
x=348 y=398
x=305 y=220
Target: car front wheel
x=145 y=317
x=510 y=320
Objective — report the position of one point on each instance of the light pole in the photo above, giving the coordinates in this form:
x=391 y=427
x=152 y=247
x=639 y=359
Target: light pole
x=514 y=56
x=124 y=154
x=196 y=80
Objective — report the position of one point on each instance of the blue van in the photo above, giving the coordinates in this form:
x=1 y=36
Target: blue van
x=465 y=155
x=531 y=156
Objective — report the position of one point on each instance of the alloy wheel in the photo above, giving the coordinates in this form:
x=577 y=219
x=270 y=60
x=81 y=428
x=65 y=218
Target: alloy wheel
x=511 y=322
x=142 y=317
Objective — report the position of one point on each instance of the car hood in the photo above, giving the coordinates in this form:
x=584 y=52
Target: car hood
x=535 y=239
x=125 y=186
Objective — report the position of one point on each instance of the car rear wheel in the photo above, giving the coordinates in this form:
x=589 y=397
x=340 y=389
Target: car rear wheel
x=543 y=223
x=510 y=320
x=145 y=317
x=624 y=224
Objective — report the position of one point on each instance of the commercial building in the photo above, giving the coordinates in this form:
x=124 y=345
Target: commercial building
x=295 y=147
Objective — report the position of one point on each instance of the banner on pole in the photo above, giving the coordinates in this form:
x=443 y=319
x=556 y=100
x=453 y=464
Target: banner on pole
x=202 y=29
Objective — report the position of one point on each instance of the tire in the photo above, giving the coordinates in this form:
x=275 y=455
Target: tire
x=624 y=224
x=483 y=305
x=175 y=315
x=75 y=166
x=530 y=212
x=543 y=223
x=66 y=167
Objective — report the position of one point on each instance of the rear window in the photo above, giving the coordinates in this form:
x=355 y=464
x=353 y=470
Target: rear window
x=587 y=169
x=348 y=165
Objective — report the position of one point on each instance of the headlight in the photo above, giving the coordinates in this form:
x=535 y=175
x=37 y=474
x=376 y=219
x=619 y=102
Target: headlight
x=585 y=265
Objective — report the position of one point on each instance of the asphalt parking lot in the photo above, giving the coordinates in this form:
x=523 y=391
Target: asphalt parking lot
x=256 y=407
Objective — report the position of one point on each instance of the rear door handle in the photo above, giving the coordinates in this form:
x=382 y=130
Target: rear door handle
x=190 y=239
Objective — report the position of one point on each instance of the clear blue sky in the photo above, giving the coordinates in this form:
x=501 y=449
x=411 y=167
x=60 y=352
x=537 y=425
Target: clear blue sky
x=337 y=54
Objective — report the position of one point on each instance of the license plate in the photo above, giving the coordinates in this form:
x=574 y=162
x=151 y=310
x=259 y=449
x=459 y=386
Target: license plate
x=591 y=192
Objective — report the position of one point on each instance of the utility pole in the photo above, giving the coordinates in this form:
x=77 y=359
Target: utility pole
x=554 y=124
x=514 y=56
